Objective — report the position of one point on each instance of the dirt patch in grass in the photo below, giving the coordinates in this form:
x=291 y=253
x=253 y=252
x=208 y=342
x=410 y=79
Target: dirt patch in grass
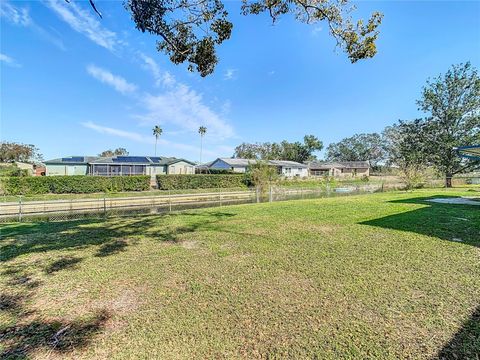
x=190 y=244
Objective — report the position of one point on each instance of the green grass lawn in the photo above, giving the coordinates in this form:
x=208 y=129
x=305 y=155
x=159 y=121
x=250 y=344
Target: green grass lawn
x=382 y=276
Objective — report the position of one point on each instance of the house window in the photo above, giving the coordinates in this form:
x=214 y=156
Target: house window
x=288 y=170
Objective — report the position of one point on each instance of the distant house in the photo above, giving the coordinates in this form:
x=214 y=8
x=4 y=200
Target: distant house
x=290 y=168
x=118 y=165
x=285 y=168
x=72 y=165
x=339 y=168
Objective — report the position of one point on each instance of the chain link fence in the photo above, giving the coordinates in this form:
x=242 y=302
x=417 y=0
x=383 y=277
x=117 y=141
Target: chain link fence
x=70 y=209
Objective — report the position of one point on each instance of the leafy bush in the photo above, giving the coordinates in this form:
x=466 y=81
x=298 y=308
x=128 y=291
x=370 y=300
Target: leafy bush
x=12 y=170
x=79 y=184
x=199 y=181
x=261 y=175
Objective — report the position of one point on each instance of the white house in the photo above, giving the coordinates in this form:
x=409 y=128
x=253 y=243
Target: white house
x=340 y=169
x=284 y=167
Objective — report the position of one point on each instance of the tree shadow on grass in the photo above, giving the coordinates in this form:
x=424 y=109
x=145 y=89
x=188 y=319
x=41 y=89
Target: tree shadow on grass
x=66 y=262
x=465 y=344
x=111 y=235
x=31 y=332
x=22 y=340
x=452 y=222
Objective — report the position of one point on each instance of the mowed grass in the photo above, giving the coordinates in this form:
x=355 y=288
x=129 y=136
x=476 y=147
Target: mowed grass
x=382 y=276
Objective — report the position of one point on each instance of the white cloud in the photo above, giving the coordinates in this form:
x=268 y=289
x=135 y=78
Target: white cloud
x=316 y=30
x=9 y=61
x=226 y=107
x=152 y=66
x=116 y=132
x=230 y=74
x=185 y=108
x=20 y=16
x=15 y=15
x=161 y=78
x=149 y=139
x=84 y=22
x=178 y=105
x=106 y=77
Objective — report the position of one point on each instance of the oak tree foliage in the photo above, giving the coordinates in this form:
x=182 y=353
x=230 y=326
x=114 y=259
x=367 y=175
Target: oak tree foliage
x=452 y=103
x=117 y=152
x=11 y=151
x=359 y=147
x=190 y=30
x=293 y=151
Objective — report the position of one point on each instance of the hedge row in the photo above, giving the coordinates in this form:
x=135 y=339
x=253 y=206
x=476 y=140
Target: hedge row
x=79 y=184
x=200 y=181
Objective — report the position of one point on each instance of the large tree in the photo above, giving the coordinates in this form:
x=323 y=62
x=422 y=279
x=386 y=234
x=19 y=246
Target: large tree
x=359 y=147
x=406 y=145
x=452 y=102
x=190 y=30
x=11 y=151
x=293 y=151
x=117 y=152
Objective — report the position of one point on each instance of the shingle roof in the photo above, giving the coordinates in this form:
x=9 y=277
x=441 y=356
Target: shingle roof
x=472 y=152
x=287 y=163
x=72 y=160
x=339 y=165
x=137 y=160
x=235 y=162
x=238 y=162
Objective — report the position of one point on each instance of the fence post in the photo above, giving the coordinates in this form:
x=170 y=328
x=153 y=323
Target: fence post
x=270 y=193
x=20 y=209
x=169 y=200
x=104 y=206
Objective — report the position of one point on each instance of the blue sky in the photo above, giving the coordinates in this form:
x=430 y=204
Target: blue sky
x=74 y=84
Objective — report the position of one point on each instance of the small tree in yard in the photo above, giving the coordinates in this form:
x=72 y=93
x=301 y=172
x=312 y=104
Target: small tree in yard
x=407 y=144
x=453 y=103
x=262 y=175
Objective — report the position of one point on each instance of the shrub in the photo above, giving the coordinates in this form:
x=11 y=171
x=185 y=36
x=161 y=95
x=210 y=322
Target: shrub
x=78 y=184
x=261 y=175
x=200 y=181
x=12 y=170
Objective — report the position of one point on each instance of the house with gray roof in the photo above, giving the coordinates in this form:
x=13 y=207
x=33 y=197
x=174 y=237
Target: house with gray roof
x=339 y=168
x=118 y=165
x=284 y=167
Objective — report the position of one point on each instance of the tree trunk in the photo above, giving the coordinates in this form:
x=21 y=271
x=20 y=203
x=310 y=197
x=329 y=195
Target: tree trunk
x=448 y=181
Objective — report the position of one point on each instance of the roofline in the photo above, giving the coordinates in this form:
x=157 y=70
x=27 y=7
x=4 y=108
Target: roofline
x=468 y=147
x=468 y=156
x=184 y=160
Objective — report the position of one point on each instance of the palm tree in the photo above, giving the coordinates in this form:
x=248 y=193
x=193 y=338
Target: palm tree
x=202 y=130
x=157 y=131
